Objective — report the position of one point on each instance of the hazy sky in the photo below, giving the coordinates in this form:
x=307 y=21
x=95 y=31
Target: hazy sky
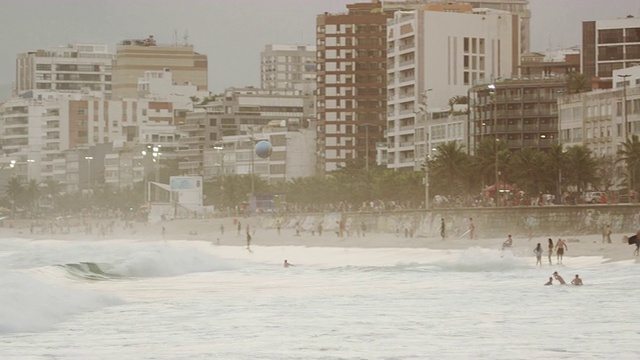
x=233 y=32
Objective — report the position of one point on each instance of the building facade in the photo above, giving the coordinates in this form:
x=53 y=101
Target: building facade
x=609 y=45
x=240 y=111
x=550 y=64
x=134 y=57
x=288 y=67
x=522 y=113
x=351 y=95
x=436 y=54
x=73 y=68
x=515 y=7
x=596 y=119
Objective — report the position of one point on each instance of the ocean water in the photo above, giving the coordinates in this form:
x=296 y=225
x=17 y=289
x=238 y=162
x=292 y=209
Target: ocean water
x=124 y=299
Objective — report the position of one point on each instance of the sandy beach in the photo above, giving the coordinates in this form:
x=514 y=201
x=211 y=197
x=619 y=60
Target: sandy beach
x=211 y=230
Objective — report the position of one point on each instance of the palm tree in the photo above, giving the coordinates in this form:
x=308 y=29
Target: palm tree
x=581 y=167
x=485 y=162
x=448 y=169
x=52 y=190
x=15 y=192
x=32 y=194
x=528 y=169
x=555 y=163
x=630 y=155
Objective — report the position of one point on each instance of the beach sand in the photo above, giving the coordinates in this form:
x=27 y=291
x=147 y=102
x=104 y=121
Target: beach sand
x=210 y=230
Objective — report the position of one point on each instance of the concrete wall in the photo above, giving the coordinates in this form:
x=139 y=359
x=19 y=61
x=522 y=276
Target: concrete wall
x=552 y=221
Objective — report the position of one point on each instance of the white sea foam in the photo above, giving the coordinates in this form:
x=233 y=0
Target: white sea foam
x=28 y=304
x=335 y=303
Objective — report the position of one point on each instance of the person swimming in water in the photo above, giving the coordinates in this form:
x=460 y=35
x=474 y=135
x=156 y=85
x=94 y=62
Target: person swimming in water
x=576 y=280
x=559 y=278
x=550 y=282
x=287 y=264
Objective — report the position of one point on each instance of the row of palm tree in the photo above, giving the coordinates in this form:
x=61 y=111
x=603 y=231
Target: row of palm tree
x=452 y=172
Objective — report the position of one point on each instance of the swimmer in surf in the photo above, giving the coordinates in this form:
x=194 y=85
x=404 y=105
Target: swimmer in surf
x=287 y=264
x=559 y=278
x=550 y=282
x=576 y=280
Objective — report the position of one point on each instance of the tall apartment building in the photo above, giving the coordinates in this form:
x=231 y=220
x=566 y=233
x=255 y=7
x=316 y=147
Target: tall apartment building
x=596 y=119
x=515 y=7
x=521 y=112
x=351 y=95
x=134 y=57
x=288 y=67
x=609 y=45
x=73 y=68
x=43 y=127
x=434 y=54
x=290 y=157
x=240 y=111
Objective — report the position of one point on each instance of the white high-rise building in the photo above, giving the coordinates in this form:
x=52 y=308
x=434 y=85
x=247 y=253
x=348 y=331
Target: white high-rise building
x=72 y=68
x=437 y=53
x=288 y=67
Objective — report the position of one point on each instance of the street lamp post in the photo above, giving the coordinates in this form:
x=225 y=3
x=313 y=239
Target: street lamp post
x=425 y=113
x=219 y=148
x=426 y=183
x=626 y=127
x=493 y=93
x=88 y=158
x=155 y=153
x=29 y=161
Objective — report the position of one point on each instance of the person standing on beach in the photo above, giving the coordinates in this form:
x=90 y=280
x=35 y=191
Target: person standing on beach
x=442 y=229
x=278 y=226
x=472 y=229
x=239 y=227
x=561 y=246
x=221 y=229
x=550 y=250
x=606 y=234
x=538 y=252
x=248 y=237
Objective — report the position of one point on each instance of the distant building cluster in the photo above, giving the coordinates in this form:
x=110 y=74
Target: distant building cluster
x=385 y=83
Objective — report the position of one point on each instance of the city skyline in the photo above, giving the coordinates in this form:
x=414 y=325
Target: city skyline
x=234 y=60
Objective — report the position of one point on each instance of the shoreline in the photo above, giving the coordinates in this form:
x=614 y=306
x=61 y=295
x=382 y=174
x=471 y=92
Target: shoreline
x=210 y=230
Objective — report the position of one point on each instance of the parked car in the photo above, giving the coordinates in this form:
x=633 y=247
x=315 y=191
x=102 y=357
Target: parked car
x=593 y=197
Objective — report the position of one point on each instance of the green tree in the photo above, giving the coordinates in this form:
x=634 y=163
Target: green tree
x=577 y=83
x=555 y=160
x=581 y=167
x=528 y=169
x=630 y=155
x=448 y=169
x=14 y=192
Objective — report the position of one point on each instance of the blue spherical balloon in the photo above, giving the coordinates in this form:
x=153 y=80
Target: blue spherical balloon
x=263 y=149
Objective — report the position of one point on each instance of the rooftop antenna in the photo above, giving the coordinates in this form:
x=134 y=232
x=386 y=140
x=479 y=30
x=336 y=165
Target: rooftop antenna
x=186 y=37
